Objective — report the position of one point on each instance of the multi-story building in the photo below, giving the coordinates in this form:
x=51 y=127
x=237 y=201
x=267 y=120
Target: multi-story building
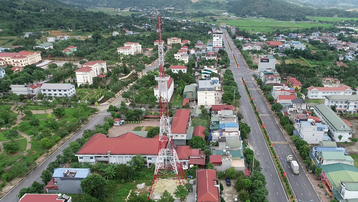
x=45 y=198
x=58 y=89
x=268 y=77
x=170 y=86
x=156 y=42
x=185 y=41
x=294 y=83
x=67 y=180
x=90 y=70
x=337 y=128
x=180 y=125
x=211 y=56
x=206 y=93
x=188 y=156
x=20 y=59
x=311 y=132
x=2 y=72
x=217 y=40
x=322 y=92
x=177 y=68
x=266 y=63
x=282 y=91
x=344 y=103
x=348 y=190
x=130 y=48
x=285 y=99
x=332 y=157
x=26 y=89
x=118 y=150
x=182 y=55
x=207 y=186
x=173 y=40
x=190 y=92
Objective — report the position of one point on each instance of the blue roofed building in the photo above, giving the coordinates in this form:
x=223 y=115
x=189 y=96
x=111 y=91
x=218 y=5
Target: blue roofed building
x=67 y=180
x=227 y=127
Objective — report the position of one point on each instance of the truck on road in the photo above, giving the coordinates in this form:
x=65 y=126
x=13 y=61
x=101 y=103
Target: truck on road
x=294 y=165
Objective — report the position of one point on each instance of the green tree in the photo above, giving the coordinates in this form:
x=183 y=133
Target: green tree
x=289 y=129
x=284 y=120
x=245 y=130
x=181 y=192
x=189 y=186
x=243 y=195
x=109 y=172
x=11 y=147
x=276 y=107
x=197 y=142
x=46 y=176
x=166 y=197
x=34 y=188
x=259 y=82
x=137 y=162
x=94 y=185
x=11 y=134
x=210 y=166
x=59 y=112
x=231 y=173
x=153 y=132
x=87 y=198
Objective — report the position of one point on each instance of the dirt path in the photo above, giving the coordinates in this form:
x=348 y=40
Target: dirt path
x=28 y=138
x=47 y=111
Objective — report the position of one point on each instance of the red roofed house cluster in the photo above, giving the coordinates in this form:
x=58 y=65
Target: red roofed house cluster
x=182 y=55
x=20 y=59
x=185 y=41
x=130 y=48
x=294 y=83
x=118 y=150
x=90 y=70
x=274 y=43
x=188 y=156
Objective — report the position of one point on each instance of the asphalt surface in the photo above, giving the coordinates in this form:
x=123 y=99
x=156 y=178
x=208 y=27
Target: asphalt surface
x=300 y=184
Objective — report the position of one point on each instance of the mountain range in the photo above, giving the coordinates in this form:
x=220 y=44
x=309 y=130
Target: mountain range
x=341 y=4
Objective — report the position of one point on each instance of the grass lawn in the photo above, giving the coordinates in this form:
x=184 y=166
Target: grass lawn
x=40 y=116
x=2 y=137
x=110 y=11
x=38 y=107
x=331 y=19
x=355 y=157
x=293 y=61
x=23 y=143
x=200 y=122
x=138 y=128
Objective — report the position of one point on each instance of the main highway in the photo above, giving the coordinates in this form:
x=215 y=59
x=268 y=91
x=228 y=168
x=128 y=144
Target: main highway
x=300 y=183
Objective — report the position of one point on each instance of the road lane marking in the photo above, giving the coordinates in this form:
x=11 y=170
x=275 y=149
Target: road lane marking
x=277 y=193
x=301 y=194
x=297 y=184
x=309 y=193
x=273 y=183
x=279 y=142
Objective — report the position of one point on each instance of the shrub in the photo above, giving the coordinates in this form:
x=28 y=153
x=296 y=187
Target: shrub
x=11 y=147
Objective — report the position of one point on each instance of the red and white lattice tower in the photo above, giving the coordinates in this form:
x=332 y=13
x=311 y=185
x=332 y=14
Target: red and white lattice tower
x=167 y=164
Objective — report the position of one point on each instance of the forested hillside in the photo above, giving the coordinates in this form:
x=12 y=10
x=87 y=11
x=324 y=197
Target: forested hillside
x=344 y=4
x=18 y=16
x=281 y=10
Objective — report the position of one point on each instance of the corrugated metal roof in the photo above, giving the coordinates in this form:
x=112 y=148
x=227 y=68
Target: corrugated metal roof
x=332 y=118
x=189 y=88
x=343 y=97
x=234 y=143
x=352 y=186
x=340 y=172
x=80 y=172
x=335 y=155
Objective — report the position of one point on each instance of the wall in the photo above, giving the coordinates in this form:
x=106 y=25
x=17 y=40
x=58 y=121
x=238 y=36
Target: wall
x=210 y=98
x=67 y=185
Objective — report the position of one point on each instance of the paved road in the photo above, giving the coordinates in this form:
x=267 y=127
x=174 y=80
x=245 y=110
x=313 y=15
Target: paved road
x=300 y=184
x=35 y=175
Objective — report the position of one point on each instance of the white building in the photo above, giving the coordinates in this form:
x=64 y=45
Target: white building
x=311 y=132
x=348 y=190
x=58 y=89
x=344 y=103
x=130 y=48
x=20 y=59
x=322 y=92
x=90 y=70
x=26 y=89
x=118 y=150
x=182 y=55
x=206 y=93
x=337 y=128
x=177 y=68
x=115 y=33
x=266 y=63
x=173 y=40
x=170 y=87
x=268 y=77
x=332 y=157
x=156 y=42
x=217 y=39
x=51 y=39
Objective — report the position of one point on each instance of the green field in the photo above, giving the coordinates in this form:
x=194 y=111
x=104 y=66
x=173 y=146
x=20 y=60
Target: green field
x=332 y=19
x=110 y=11
x=2 y=137
x=7 y=41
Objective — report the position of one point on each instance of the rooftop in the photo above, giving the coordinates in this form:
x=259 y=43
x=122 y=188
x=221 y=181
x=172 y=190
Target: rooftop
x=74 y=172
x=189 y=88
x=180 y=121
x=343 y=97
x=332 y=118
x=185 y=152
x=215 y=159
x=177 y=67
x=205 y=183
x=41 y=198
x=340 y=88
x=206 y=84
x=286 y=97
x=94 y=62
x=61 y=86
x=335 y=155
x=274 y=43
x=169 y=82
x=340 y=172
x=121 y=145
x=199 y=131
x=221 y=107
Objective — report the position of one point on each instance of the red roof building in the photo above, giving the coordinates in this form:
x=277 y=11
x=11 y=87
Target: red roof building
x=216 y=108
x=294 y=82
x=44 y=198
x=340 y=88
x=66 y=50
x=180 y=121
x=199 y=131
x=177 y=67
x=84 y=69
x=127 y=144
x=314 y=118
x=215 y=159
x=93 y=62
x=189 y=156
x=185 y=101
x=286 y=97
x=274 y=43
x=185 y=41
x=207 y=186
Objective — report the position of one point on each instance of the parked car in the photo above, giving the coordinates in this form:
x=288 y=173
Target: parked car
x=228 y=182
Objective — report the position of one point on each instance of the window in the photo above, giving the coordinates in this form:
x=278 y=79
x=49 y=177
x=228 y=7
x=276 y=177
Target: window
x=149 y=158
x=80 y=157
x=54 y=90
x=59 y=90
x=91 y=157
x=60 y=94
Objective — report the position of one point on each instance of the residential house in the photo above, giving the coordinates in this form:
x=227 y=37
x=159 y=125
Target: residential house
x=170 y=87
x=70 y=50
x=338 y=129
x=344 y=103
x=298 y=105
x=211 y=56
x=190 y=157
x=285 y=99
x=268 y=77
x=28 y=34
x=114 y=33
x=199 y=46
x=179 y=127
x=282 y=91
x=90 y=70
x=51 y=39
x=330 y=80
x=130 y=48
x=206 y=93
x=207 y=186
x=340 y=180
x=26 y=89
x=173 y=40
x=58 y=89
x=294 y=83
x=45 y=46
x=199 y=131
x=20 y=59
x=267 y=63
x=190 y=92
x=322 y=92
x=247 y=47
x=185 y=41
x=156 y=42
x=217 y=40
x=310 y=132
x=45 y=198
x=177 y=68
x=117 y=122
x=239 y=38
x=275 y=44
x=2 y=72
x=182 y=55
x=67 y=180
x=220 y=109
x=209 y=46
x=206 y=72
x=332 y=157
x=119 y=150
